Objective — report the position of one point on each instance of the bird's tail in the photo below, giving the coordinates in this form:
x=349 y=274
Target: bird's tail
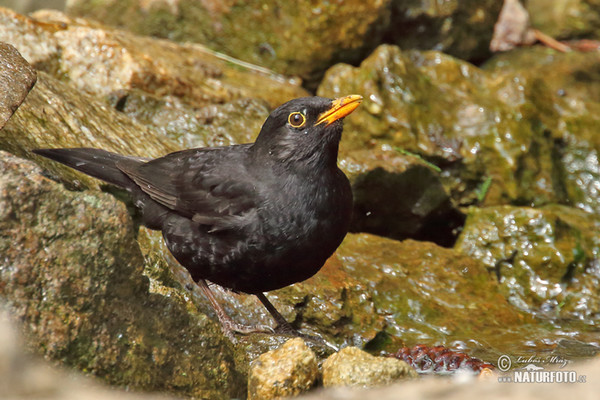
x=98 y=163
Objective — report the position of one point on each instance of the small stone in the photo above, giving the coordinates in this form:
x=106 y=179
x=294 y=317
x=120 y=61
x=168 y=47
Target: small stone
x=287 y=371
x=354 y=367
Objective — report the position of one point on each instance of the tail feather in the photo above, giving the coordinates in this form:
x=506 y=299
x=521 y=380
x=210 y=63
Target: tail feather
x=98 y=163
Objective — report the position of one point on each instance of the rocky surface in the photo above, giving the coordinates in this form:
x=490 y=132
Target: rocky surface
x=462 y=28
x=487 y=388
x=100 y=60
x=25 y=376
x=545 y=258
x=354 y=367
x=284 y=372
x=17 y=78
x=566 y=19
x=507 y=131
x=71 y=272
x=306 y=37
x=268 y=34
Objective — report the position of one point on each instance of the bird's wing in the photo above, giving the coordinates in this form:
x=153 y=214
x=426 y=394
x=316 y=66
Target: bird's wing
x=209 y=186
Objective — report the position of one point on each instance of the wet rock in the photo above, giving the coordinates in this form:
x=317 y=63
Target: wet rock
x=381 y=294
x=305 y=38
x=566 y=19
x=546 y=259
x=462 y=28
x=236 y=122
x=291 y=37
x=287 y=371
x=71 y=271
x=101 y=60
x=57 y=115
x=498 y=138
x=571 y=83
x=573 y=76
x=35 y=41
x=354 y=367
x=17 y=78
x=25 y=376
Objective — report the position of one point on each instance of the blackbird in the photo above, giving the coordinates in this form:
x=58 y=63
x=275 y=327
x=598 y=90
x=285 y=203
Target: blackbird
x=252 y=217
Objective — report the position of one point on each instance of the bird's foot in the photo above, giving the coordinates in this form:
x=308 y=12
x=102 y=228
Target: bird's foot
x=246 y=329
x=284 y=327
x=288 y=330
x=230 y=327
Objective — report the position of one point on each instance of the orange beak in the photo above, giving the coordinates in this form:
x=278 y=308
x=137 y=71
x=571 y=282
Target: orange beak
x=339 y=109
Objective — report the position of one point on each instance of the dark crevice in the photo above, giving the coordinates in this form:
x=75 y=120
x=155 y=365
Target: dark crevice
x=408 y=205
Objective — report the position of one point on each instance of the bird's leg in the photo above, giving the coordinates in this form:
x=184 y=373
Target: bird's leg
x=282 y=325
x=227 y=324
x=285 y=328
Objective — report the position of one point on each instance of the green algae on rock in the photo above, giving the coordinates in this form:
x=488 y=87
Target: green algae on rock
x=546 y=258
x=573 y=75
x=515 y=131
x=72 y=272
x=57 y=115
x=238 y=121
x=291 y=37
x=566 y=19
x=462 y=28
x=101 y=60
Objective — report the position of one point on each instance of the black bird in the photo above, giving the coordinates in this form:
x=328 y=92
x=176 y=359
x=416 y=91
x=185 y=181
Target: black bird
x=252 y=217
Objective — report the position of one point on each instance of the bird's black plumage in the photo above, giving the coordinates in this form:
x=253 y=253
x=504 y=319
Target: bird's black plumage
x=252 y=217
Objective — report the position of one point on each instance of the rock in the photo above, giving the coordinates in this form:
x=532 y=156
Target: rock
x=305 y=37
x=101 y=60
x=236 y=122
x=291 y=37
x=57 y=115
x=354 y=367
x=572 y=84
x=17 y=78
x=462 y=28
x=566 y=19
x=381 y=294
x=545 y=258
x=287 y=371
x=498 y=138
x=71 y=272
x=572 y=76
x=24 y=376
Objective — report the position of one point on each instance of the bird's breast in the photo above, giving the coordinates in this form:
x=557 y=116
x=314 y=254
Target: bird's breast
x=304 y=207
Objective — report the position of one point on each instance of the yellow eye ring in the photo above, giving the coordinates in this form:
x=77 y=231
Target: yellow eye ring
x=296 y=120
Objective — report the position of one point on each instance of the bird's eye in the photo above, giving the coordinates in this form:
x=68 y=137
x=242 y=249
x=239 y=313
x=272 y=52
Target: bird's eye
x=297 y=119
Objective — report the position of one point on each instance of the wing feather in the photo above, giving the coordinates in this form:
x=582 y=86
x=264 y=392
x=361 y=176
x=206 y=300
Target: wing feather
x=210 y=186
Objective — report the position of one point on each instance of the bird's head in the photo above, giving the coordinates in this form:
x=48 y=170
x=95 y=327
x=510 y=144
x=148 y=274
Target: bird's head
x=307 y=129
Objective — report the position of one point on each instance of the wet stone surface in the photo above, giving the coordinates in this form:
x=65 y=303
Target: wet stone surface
x=354 y=367
x=71 y=272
